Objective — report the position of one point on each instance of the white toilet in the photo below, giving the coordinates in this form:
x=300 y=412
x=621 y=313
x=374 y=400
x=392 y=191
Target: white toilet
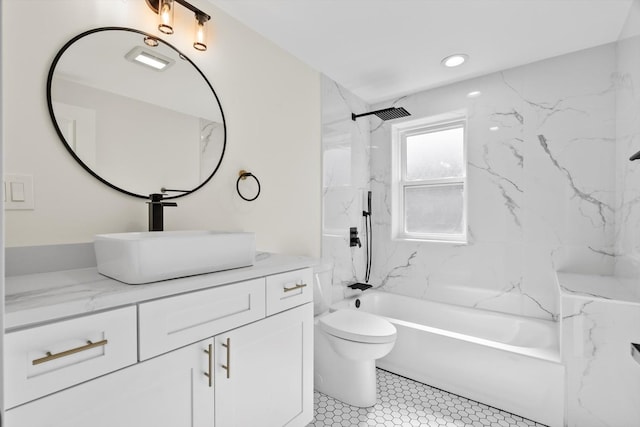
x=346 y=345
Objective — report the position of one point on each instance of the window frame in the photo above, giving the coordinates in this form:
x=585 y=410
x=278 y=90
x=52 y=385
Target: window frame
x=399 y=134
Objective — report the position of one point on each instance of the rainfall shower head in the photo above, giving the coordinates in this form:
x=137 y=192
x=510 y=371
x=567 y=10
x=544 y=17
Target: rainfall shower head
x=384 y=114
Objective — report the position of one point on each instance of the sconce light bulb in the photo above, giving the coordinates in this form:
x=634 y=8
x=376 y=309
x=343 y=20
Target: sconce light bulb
x=200 y=42
x=165 y=12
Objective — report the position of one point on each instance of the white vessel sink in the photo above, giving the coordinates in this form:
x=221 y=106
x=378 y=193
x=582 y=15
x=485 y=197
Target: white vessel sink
x=137 y=258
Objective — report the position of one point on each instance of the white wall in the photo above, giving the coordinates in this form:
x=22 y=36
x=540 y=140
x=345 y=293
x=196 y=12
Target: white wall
x=270 y=99
x=2 y=233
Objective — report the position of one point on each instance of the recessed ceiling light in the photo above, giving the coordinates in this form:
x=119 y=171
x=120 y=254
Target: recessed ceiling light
x=454 y=60
x=494 y=128
x=150 y=60
x=142 y=56
x=474 y=94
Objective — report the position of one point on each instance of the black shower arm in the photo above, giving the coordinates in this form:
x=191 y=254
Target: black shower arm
x=355 y=116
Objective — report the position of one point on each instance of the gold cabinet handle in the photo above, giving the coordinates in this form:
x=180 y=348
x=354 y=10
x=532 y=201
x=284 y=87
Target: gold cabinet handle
x=210 y=373
x=228 y=365
x=302 y=285
x=49 y=357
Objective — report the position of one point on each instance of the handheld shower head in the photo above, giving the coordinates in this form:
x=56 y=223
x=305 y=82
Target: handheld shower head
x=367 y=212
x=368 y=227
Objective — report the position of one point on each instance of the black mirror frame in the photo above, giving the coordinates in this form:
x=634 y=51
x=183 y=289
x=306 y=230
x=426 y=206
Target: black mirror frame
x=68 y=147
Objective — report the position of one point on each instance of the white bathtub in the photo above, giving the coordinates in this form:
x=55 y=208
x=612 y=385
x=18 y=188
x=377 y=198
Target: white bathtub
x=505 y=361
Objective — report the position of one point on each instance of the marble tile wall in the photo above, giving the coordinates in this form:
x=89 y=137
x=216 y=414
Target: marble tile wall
x=345 y=151
x=541 y=188
x=603 y=380
x=628 y=142
x=211 y=147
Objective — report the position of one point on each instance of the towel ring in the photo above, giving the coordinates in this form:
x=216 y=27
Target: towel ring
x=243 y=174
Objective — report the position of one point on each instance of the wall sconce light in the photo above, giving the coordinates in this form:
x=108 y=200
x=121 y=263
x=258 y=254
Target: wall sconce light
x=164 y=9
x=200 y=42
x=165 y=14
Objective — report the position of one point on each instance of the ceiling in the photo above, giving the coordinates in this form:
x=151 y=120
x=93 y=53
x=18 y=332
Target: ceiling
x=383 y=49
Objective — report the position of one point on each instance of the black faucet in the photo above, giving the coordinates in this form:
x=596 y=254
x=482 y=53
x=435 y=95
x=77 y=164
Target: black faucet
x=156 y=205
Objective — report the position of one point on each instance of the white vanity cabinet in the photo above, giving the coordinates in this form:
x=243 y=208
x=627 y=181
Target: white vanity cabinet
x=170 y=391
x=235 y=355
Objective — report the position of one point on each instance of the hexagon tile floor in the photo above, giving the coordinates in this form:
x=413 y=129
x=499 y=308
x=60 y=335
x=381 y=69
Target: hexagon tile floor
x=407 y=403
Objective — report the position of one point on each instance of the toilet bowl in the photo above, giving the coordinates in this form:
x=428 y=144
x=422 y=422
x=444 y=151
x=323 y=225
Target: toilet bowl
x=346 y=345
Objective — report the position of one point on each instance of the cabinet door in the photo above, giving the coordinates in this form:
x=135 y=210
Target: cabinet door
x=171 y=390
x=264 y=372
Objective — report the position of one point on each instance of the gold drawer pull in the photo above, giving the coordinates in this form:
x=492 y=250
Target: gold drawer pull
x=210 y=373
x=300 y=286
x=49 y=357
x=228 y=365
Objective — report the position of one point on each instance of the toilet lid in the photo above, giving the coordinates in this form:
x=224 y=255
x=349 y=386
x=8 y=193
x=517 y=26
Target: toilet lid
x=358 y=326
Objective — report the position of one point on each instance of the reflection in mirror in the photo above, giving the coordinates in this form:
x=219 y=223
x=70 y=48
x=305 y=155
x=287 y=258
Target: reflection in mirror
x=137 y=117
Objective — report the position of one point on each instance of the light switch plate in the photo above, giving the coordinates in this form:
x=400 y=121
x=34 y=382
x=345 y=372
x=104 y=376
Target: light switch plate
x=18 y=192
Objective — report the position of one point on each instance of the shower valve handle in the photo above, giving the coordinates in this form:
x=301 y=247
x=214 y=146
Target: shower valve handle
x=354 y=240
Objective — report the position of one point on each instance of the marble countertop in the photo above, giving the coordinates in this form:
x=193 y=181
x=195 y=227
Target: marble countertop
x=37 y=298
x=606 y=288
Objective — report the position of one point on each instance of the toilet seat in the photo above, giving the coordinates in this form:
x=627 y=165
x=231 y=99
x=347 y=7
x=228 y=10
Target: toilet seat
x=358 y=326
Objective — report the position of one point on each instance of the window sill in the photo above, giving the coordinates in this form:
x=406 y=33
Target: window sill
x=415 y=239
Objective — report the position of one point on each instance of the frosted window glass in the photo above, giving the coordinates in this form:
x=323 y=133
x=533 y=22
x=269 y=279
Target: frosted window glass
x=435 y=209
x=435 y=154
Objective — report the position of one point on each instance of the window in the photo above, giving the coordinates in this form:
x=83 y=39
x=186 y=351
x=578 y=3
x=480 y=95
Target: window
x=429 y=179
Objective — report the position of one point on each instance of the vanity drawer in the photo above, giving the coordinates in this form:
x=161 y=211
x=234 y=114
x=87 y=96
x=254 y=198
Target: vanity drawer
x=174 y=322
x=289 y=290
x=48 y=358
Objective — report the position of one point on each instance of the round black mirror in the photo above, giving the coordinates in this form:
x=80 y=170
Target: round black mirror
x=135 y=112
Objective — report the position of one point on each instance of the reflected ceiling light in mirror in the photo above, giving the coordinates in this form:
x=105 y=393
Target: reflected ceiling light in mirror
x=151 y=61
x=154 y=60
x=474 y=94
x=150 y=41
x=456 y=60
x=164 y=9
x=494 y=128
